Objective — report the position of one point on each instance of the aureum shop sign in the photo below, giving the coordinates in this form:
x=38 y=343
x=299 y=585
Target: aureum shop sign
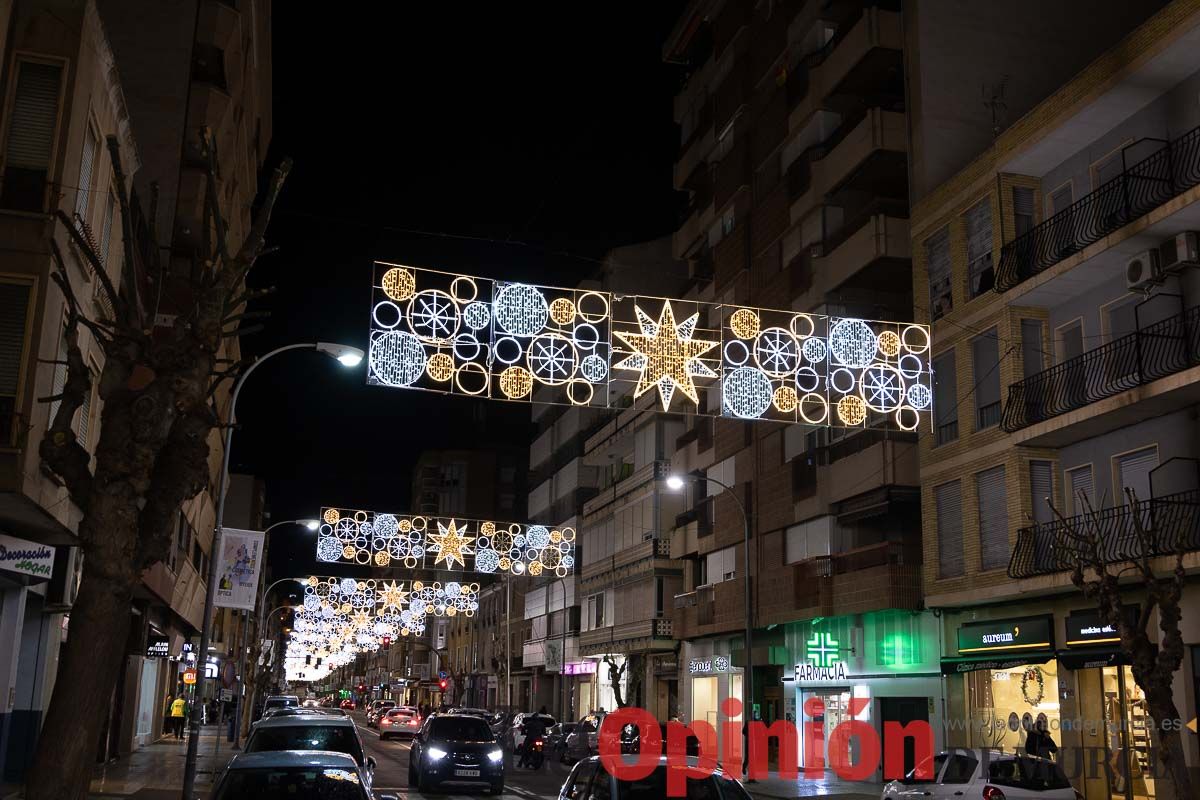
x=27 y=558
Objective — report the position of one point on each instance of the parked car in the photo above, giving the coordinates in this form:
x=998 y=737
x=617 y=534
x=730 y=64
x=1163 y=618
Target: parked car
x=584 y=741
x=278 y=701
x=984 y=773
x=556 y=739
x=311 y=732
x=376 y=708
x=455 y=749
x=294 y=773
x=518 y=727
x=400 y=721
x=482 y=713
x=347 y=705
x=589 y=778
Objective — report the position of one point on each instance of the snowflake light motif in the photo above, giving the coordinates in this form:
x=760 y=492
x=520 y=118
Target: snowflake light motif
x=776 y=352
x=881 y=387
x=433 y=316
x=329 y=549
x=593 y=368
x=477 y=316
x=919 y=396
x=551 y=359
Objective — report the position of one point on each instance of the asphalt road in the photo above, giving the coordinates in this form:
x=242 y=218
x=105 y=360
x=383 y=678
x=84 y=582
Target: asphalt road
x=391 y=771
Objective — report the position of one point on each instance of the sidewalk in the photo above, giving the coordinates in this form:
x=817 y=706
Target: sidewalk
x=156 y=770
x=777 y=788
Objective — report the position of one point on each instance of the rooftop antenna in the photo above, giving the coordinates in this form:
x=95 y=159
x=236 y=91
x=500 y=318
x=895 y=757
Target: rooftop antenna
x=993 y=100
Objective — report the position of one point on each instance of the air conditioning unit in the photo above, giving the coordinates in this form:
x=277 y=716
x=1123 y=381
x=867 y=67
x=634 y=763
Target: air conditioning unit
x=1183 y=248
x=1142 y=270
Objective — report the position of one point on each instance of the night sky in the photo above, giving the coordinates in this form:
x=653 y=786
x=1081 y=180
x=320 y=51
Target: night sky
x=499 y=140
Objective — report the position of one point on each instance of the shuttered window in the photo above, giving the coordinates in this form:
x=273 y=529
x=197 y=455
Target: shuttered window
x=945 y=401
x=937 y=262
x=1031 y=347
x=980 y=276
x=110 y=208
x=14 y=308
x=985 y=352
x=87 y=164
x=1023 y=209
x=948 y=499
x=85 y=414
x=1041 y=486
x=1079 y=481
x=32 y=120
x=993 y=518
x=1133 y=472
x=60 y=377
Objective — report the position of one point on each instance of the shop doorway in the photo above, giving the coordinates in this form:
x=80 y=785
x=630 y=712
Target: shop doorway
x=836 y=703
x=903 y=710
x=1127 y=739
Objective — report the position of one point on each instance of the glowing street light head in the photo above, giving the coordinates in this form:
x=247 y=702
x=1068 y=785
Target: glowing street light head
x=346 y=355
x=674 y=483
x=311 y=524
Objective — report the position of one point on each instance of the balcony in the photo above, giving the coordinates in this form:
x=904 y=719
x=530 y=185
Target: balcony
x=1137 y=359
x=653 y=633
x=870 y=578
x=1172 y=522
x=1171 y=170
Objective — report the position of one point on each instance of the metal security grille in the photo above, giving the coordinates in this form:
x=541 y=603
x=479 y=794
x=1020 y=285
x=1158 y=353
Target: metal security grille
x=950 y=527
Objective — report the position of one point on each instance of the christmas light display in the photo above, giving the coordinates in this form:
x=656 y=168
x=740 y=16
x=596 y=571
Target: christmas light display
x=442 y=543
x=504 y=340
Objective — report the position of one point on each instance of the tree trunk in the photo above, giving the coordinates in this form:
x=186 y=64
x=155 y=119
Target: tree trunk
x=1165 y=716
x=99 y=626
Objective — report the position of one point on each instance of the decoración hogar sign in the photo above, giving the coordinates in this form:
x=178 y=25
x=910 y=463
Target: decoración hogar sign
x=448 y=543
x=459 y=334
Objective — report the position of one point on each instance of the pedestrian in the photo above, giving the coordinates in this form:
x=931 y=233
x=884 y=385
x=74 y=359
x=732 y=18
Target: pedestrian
x=1038 y=741
x=178 y=711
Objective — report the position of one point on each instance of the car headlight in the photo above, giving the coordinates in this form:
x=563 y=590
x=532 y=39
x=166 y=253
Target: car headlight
x=436 y=753
x=496 y=755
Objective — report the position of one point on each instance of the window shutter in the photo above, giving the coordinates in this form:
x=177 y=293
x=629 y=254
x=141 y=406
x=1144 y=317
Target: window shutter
x=937 y=262
x=14 y=306
x=948 y=498
x=86 y=163
x=1031 y=347
x=85 y=415
x=985 y=351
x=1134 y=471
x=110 y=205
x=1023 y=209
x=1041 y=486
x=60 y=377
x=979 y=230
x=1081 y=482
x=34 y=112
x=993 y=519
x=945 y=401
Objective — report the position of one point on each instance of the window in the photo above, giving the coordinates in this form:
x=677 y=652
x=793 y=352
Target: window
x=807 y=540
x=960 y=767
x=1031 y=347
x=14 y=309
x=1133 y=472
x=993 y=518
x=721 y=565
x=1041 y=486
x=727 y=222
x=87 y=168
x=948 y=498
x=985 y=351
x=110 y=206
x=659 y=600
x=1023 y=209
x=596 y=610
x=945 y=397
x=58 y=382
x=208 y=64
x=601 y=785
x=1079 y=481
x=33 y=119
x=577 y=784
x=937 y=262
x=1060 y=199
x=1106 y=169
x=85 y=412
x=980 y=276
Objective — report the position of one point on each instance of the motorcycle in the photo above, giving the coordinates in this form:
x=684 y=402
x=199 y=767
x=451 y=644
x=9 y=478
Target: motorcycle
x=535 y=755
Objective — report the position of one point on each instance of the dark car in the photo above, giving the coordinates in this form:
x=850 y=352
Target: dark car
x=311 y=732
x=293 y=774
x=456 y=749
x=589 y=779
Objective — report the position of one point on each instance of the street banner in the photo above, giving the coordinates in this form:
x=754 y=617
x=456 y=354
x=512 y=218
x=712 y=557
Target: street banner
x=238 y=568
x=553 y=653
x=27 y=558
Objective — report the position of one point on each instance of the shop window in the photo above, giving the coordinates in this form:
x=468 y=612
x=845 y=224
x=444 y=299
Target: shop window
x=1004 y=704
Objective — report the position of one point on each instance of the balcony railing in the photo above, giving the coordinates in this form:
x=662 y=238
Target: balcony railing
x=1153 y=352
x=1138 y=190
x=1171 y=522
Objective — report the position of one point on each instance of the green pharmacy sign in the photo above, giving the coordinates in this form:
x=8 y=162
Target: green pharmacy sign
x=824 y=663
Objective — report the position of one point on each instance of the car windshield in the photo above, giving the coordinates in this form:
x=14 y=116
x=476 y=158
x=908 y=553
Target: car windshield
x=338 y=738
x=461 y=729
x=288 y=783
x=400 y=712
x=718 y=787
x=931 y=772
x=280 y=702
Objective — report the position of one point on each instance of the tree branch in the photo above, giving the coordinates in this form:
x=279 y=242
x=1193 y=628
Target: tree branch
x=180 y=472
x=134 y=313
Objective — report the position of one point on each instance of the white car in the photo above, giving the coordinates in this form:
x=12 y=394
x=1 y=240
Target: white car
x=985 y=774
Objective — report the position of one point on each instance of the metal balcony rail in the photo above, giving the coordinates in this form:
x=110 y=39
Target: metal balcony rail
x=1138 y=190
x=1171 y=522
x=1153 y=352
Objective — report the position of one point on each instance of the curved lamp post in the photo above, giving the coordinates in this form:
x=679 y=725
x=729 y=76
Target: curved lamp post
x=676 y=483
x=347 y=356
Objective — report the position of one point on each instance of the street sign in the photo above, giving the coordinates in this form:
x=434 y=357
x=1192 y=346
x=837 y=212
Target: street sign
x=189 y=676
x=227 y=695
x=442 y=673
x=228 y=675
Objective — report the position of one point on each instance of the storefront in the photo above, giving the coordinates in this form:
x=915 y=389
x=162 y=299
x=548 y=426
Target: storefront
x=874 y=668
x=708 y=680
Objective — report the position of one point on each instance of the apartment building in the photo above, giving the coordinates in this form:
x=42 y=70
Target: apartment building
x=1057 y=263
x=72 y=78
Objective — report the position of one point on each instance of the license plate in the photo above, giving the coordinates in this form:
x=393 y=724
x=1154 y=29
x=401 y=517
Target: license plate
x=467 y=773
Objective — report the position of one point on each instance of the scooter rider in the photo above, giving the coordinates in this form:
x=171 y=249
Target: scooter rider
x=535 y=728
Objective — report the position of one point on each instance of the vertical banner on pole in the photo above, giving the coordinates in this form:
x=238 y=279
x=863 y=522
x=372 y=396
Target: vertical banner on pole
x=238 y=568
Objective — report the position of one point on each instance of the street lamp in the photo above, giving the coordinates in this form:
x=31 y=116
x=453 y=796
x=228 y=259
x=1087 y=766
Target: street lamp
x=676 y=483
x=347 y=356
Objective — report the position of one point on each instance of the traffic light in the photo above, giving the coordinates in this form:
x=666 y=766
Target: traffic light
x=442 y=684
x=362 y=688
x=386 y=643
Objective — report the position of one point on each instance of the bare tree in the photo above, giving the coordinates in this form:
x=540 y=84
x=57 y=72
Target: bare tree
x=1098 y=575
x=615 y=673
x=159 y=388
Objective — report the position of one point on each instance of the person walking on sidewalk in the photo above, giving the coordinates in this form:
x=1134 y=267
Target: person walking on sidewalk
x=178 y=712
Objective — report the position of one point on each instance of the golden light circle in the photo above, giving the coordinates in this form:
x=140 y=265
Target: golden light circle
x=535 y=568
x=382 y=558
x=404 y=631
x=459 y=293
x=562 y=310
x=806 y=326
x=345 y=608
x=419 y=523
x=360 y=517
x=593 y=307
x=475 y=588
x=852 y=410
x=785 y=399
x=889 y=344
x=332 y=516
x=487 y=528
x=516 y=382
x=399 y=283
x=744 y=323
x=556 y=536
x=568 y=534
x=312 y=580
x=418 y=586
x=451 y=611
x=429 y=608
x=440 y=366
x=348 y=551
x=404 y=525
x=505 y=562
x=573 y=392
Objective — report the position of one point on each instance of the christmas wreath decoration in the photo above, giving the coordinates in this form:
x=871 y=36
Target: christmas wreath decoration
x=1030 y=676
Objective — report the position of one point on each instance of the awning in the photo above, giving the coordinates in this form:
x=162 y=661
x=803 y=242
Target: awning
x=957 y=666
x=1090 y=657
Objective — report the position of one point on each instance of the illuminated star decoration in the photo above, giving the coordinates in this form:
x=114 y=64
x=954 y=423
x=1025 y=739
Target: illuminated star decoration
x=451 y=544
x=666 y=355
x=391 y=596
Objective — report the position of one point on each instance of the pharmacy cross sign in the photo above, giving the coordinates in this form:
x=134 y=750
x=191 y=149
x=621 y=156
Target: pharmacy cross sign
x=822 y=650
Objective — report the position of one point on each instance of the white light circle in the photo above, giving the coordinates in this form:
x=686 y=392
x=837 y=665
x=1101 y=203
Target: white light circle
x=329 y=549
x=746 y=393
x=919 y=396
x=853 y=343
x=509 y=344
x=551 y=358
x=486 y=561
x=594 y=368
x=477 y=316
x=585 y=336
x=807 y=379
x=433 y=315
x=881 y=388
x=910 y=366
x=736 y=353
x=814 y=349
x=520 y=309
x=907 y=418
x=537 y=536
x=391 y=314
x=396 y=358
x=467 y=347
x=776 y=352
x=842 y=380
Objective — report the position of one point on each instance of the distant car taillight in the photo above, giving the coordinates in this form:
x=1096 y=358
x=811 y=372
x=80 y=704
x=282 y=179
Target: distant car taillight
x=992 y=793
